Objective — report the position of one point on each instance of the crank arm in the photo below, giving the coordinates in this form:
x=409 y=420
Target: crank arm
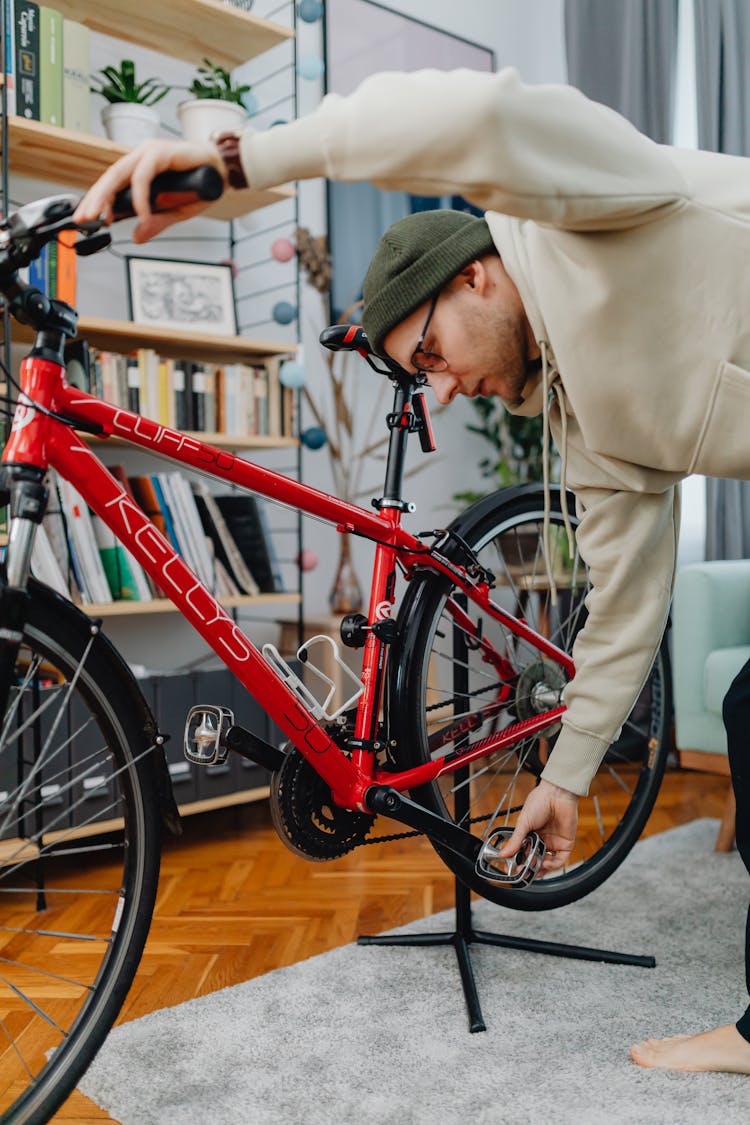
x=253 y=748
x=389 y=802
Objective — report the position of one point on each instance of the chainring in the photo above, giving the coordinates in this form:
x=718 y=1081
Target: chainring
x=305 y=816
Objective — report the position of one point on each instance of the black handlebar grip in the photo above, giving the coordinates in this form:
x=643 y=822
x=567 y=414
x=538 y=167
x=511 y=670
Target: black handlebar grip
x=170 y=190
x=345 y=338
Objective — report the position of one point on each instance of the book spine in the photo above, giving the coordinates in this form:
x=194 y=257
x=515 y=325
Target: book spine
x=10 y=57
x=76 y=76
x=27 y=58
x=38 y=270
x=65 y=289
x=51 y=269
x=180 y=397
x=198 y=420
x=50 y=66
x=134 y=385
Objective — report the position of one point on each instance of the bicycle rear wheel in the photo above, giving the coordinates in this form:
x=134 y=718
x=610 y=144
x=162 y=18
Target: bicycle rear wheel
x=444 y=689
x=79 y=854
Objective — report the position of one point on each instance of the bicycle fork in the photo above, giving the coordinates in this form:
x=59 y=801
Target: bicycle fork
x=23 y=490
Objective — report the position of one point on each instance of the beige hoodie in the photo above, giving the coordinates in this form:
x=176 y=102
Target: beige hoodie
x=633 y=263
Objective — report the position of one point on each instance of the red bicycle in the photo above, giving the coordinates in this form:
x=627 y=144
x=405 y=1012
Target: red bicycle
x=459 y=699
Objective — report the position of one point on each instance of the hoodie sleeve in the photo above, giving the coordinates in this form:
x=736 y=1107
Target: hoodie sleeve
x=545 y=153
x=629 y=541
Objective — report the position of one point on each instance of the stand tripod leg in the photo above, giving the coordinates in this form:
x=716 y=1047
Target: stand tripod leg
x=464 y=935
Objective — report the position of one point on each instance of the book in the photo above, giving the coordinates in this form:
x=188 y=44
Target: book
x=65 y=288
x=198 y=396
x=44 y=563
x=225 y=549
x=94 y=585
x=38 y=270
x=166 y=511
x=50 y=66
x=26 y=28
x=125 y=575
x=181 y=406
x=55 y=524
x=134 y=385
x=190 y=529
x=76 y=76
x=10 y=57
x=241 y=513
x=51 y=289
x=147 y=500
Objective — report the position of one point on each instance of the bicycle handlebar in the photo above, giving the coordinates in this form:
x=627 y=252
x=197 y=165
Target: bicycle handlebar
x=170 y=190
x=25 y=232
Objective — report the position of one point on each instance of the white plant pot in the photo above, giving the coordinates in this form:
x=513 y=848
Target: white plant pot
x=129 y=123
x=201 y=117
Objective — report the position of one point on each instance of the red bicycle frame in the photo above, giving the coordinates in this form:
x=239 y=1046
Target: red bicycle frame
x=40 y=439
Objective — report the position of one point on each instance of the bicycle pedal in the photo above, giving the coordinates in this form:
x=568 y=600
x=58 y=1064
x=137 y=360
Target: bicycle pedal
x=520 y=869
x=205 y=734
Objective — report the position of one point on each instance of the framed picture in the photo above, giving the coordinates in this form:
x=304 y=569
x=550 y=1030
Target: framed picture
x=176 y=294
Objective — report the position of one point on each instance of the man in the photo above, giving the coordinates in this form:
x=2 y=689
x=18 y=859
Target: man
x=608 y=288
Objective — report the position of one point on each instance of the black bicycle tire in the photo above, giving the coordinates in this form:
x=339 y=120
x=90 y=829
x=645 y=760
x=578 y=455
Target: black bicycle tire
x=57 y=627
x=416 y=621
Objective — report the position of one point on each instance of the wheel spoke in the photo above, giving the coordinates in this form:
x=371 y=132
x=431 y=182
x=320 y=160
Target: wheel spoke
x=78 y=853
x=455 y=642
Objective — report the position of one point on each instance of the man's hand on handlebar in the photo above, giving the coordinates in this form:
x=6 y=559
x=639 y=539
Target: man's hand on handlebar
x=138 y=169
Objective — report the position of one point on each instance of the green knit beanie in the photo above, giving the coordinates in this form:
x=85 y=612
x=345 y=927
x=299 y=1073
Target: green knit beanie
x=415 y=257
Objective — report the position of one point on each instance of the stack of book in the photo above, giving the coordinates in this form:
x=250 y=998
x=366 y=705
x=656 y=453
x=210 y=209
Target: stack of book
x=235 y=399
x=47 y=74
x=223 y=539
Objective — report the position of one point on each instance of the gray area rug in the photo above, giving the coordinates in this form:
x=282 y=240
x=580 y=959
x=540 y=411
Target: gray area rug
x=372 y=1035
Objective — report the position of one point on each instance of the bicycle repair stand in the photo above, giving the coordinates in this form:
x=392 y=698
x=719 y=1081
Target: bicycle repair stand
x=464 y=936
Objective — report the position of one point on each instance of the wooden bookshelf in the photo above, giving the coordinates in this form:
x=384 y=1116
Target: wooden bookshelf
x=184 y=29
x=78 y=159
x=233 y=443
x=124 y=336
x=163 y=605
x=15 y=850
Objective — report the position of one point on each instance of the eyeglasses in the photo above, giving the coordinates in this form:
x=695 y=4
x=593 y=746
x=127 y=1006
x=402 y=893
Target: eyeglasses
x=427 y=361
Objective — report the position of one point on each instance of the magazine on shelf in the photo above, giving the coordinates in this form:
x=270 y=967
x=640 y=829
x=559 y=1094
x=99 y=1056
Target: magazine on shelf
x=82 y=541
x=225 y=549
x=44 y=564
x=125 y=575
x=246 y=522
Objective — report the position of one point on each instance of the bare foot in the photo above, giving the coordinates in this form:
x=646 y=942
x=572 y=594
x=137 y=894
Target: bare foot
x=720 y=1049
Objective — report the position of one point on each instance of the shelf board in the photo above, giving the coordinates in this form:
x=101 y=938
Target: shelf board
x=232 y=443
x=163 y=605
x=184 y=29
x=46 y=152
x=15 y=850
x=124 y=336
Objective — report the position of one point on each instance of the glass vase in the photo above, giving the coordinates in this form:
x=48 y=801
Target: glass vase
x=346 y=593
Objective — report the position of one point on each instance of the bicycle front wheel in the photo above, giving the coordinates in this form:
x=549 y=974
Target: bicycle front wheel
x=79 y=854
x=444 y=688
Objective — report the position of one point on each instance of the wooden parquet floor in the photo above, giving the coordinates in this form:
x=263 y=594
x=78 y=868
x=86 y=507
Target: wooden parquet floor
x=234 y=902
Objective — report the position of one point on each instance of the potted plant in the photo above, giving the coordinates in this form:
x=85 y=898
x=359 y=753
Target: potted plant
x=129 y=116
x=217 y=103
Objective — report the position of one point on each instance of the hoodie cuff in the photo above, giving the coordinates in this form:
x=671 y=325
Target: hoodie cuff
x=276 y=156
x=575 y=759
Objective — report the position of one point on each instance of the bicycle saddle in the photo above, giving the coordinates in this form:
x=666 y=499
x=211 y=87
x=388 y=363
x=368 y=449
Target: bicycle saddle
x=353 y=338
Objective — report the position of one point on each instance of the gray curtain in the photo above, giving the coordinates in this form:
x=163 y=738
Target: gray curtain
x=623 y=54
x=722 y=48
